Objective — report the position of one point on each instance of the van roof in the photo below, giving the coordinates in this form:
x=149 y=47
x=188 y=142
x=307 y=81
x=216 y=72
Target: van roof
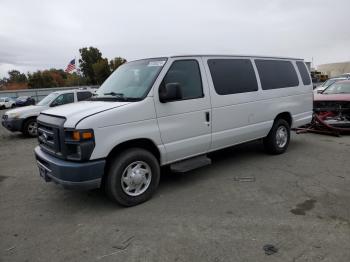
x=222 y=55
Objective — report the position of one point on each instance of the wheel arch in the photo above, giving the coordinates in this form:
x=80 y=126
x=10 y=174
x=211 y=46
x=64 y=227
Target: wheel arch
x=287 y=116
x=144 y=143
x=27 y=119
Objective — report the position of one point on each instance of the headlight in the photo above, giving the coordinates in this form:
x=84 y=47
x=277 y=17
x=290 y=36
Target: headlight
x=12 y=115
x=79 y=144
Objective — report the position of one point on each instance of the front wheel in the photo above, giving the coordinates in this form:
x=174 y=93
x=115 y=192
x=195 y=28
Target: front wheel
x=132 y=177
x=30 y=128
x=277 y=140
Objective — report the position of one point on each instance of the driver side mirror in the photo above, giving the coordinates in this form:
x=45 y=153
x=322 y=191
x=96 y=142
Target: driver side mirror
x=54 y=103
x=319 y=91
x=170 y=92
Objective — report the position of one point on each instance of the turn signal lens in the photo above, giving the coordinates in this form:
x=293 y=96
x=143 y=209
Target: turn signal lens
x=82 y=135
x=76 y=136
x=86 y=135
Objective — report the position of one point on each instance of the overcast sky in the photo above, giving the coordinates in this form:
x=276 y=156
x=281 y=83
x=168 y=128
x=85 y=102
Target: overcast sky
x=48 y=34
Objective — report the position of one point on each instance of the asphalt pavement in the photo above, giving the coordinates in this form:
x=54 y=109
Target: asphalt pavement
x=299 y=202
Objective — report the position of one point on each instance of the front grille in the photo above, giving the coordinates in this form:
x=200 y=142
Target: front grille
x=50 y=134
x=48 y=137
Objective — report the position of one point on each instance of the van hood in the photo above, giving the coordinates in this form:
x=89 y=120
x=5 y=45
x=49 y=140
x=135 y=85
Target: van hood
x=27 y=110
x=76 y=111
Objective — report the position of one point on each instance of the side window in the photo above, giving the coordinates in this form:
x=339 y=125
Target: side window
x=232 y=76
x=276 y=74
x=187 y=74
x=305 y=75
x=63 y=99
x=83 y=95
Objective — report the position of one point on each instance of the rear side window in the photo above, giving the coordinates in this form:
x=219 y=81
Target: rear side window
x=187 y=74
x=305 y=76
x=232 y=76
x=83 y=96
x=276 y=74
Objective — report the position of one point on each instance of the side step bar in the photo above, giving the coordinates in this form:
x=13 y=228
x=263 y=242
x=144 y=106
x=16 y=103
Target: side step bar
x=189 y=164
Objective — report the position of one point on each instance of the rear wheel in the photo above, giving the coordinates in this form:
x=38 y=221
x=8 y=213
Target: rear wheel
x=277 y=140
x=30 y=128
x=132 y=177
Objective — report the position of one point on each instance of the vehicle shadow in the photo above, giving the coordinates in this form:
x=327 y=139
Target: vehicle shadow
x=170 y=182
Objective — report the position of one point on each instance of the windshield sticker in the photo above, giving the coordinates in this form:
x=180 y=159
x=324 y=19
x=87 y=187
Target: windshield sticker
x=156 y=63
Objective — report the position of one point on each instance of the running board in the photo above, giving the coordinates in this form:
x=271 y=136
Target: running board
x=189 y=164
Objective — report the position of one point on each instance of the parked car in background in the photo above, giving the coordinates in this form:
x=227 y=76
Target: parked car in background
x=327 y=83
x=346 y=75
x=24 y=119
x=25 y=101
x=7 y=102
x=334 y=104
x=171 y=111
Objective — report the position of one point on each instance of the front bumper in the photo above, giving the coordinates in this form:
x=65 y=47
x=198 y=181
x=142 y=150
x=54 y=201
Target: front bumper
x=12 y=124
x=71 y=175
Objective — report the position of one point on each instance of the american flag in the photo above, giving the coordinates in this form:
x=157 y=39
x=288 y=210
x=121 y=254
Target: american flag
x=70 y=66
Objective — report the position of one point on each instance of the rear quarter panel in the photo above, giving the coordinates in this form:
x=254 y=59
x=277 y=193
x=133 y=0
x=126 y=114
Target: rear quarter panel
x=242 y=117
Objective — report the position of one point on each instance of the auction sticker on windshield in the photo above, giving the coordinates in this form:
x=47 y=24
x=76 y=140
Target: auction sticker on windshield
x=156 y=63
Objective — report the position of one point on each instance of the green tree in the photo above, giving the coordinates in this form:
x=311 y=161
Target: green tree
x=75 y=80
x=3 y=81
x=89 y=56
x=116 y=62
x=101 y=70
x=16 y=77
x=41 y=79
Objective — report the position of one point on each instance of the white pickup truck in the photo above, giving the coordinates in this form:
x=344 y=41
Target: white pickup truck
x=23 y=119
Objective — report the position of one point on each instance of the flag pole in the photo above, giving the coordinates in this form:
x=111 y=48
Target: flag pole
x=76 y=62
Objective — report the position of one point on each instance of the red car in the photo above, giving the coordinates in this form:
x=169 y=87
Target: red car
x=333 y=104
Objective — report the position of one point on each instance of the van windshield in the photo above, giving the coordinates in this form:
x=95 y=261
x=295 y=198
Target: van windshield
x=131 y=81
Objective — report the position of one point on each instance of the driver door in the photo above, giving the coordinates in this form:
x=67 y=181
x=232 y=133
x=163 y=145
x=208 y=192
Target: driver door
x=185 y=124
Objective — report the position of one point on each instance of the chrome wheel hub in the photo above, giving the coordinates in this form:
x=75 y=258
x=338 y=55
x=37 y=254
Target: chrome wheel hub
x=136 y=178
x=32 y=128
x=281 y=136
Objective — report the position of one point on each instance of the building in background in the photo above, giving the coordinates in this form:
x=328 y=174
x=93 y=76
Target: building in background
x=334 y=69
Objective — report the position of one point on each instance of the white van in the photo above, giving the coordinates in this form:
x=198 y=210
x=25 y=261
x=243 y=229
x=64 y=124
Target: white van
x=171 y=111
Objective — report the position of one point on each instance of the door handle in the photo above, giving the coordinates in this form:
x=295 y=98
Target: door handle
x=207 y=117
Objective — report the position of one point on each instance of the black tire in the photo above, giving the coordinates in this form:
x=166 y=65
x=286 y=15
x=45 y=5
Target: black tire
x=26 y=130
x=271 y=142
x=13 y=106
x=113 y=183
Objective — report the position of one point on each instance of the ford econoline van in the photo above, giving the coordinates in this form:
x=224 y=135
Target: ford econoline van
x=171 y=111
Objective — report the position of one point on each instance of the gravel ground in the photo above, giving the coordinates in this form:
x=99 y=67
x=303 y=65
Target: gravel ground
x=298 y=201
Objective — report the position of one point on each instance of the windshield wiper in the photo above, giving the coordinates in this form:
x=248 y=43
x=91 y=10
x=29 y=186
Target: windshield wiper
x=114 y=94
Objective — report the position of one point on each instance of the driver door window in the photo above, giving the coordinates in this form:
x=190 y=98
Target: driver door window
x=63 y=99
x=186 y=73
